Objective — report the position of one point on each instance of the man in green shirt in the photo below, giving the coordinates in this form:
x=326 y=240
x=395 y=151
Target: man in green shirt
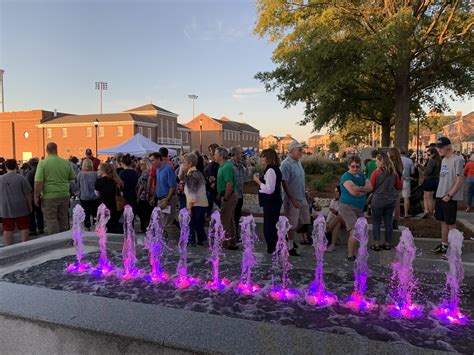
x=52 y=184
x=226 y=194
x=371 y=165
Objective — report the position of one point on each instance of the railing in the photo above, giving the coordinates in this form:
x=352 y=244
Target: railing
x=163 y=140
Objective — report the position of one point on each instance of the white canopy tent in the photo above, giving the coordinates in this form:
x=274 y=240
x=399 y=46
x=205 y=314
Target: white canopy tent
x=138 y=145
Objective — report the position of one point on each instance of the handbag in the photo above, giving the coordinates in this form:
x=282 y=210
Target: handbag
x=119 y=201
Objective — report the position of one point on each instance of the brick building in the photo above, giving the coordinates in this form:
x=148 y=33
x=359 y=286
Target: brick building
x=318 y=141
x=222 y=131
x=25 y=134
x=281 y=143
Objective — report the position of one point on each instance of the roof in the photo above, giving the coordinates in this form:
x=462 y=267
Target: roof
x=150 y=107
x=108 y=117
x=233 y=125
x=181 y=126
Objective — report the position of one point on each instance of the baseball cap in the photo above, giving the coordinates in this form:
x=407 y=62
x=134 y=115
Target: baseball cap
x=294 y=145
x=442 y=142
x=431 y=145
x=88 y=151
x=33 y=161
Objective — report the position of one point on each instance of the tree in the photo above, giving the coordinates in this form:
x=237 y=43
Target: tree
x=333 y=147
x=378 y=60
x=273 y=146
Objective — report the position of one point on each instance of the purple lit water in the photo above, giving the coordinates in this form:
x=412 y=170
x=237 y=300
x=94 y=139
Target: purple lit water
x=357 y=301
x=156 y=246
x=183 y=280
x=129 y=258
x=281 y=263
x=104 y=267
x=403 y=280
x=78 y=217
x=449 y=311
x=316 y=293
x=216 y=237
x=249 y=238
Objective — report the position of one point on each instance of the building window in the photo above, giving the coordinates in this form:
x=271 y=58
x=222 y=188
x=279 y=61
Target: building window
x=119 y=131
x=181 y=136
x=64 y=132
x=149 y=133
x=187 y=134
x=167 y=129
x=88 y=131
x=140 y=130
x=101 y=131
x=49 y=133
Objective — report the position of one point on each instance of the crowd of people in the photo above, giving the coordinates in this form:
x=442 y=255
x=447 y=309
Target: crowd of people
x=38 y=197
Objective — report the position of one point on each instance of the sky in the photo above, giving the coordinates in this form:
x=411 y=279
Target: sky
x=147 y=51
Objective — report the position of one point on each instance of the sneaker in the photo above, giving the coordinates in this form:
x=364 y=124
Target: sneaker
x=295 y=246
x=293 y=252
x=41 y=231
x=351 y=258
x=472 y=238
x=440 y=249
x=330 y=248
x=34 y=233
x=444 y=257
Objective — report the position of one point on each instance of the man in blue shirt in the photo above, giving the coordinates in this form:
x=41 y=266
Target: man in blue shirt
x=165 y=189
x=408 y=170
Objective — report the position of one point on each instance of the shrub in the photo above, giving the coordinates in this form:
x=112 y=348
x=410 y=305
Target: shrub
x=321 y=183
x=320 y=165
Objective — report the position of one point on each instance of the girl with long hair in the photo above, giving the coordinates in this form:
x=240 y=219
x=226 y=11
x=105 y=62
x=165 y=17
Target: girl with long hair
x=107 y=187
x=386 y=183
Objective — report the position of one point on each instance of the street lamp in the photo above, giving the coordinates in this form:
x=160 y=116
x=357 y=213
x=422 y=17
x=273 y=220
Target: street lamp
x=194 y=97
x=96 y=124
x=101 y=86
x=3 y=98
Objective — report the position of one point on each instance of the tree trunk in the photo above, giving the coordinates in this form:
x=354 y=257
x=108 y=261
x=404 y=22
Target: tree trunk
x=386 y=127
x=402 y=106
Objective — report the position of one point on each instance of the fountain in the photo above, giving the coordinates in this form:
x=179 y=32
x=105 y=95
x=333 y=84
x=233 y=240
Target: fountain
x=403 y=281
x=357 y=301
x=448 y=311
x=249 y=237
x=216 y=237
x=78 y=218
x=104 y=266
x=280 y=261
x=156 y=246
x=130 y=271
x=316 y=293
x=183 y=280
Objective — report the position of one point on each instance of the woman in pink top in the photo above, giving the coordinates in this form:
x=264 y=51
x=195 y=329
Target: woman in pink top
x=469 y=173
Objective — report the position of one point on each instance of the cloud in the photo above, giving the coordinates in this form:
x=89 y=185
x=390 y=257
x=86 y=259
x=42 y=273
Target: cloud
x=217 y=30
x=244 y=93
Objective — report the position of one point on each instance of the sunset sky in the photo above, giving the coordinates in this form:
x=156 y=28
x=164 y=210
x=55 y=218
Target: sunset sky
x=148 y=51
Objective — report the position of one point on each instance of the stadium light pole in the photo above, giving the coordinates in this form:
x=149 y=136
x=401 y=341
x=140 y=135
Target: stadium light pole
x=96 y=124
x=194 y=97
x=101 y=86
x=3 y=98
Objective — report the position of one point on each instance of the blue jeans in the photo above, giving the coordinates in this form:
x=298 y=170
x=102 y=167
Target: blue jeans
x=385 y=212
x=196 y=225
x=182 y=201
x=470 y=190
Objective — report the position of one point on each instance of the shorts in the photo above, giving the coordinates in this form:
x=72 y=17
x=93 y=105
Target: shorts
x=406 y=191
x=297 y=216
x=350 y=214
x=430 y=185
x=21 y=222
x=446 y=211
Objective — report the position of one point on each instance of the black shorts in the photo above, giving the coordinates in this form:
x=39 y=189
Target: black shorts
x=430 y=185
x=446 y=211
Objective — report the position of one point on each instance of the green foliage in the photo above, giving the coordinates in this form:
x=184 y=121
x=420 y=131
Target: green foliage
x=333 y=147
x=368 y=60
x=322 y=182
x=319 y=165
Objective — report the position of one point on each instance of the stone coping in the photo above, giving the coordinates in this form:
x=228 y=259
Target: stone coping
x=176 y=329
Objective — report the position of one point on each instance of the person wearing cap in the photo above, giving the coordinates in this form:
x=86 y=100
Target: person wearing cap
x=36 y=217
x=449 y=191
x=95 y=161
x=295 y=205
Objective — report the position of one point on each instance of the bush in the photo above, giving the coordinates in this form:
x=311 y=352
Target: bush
x=320 y=165
x=322 y=182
